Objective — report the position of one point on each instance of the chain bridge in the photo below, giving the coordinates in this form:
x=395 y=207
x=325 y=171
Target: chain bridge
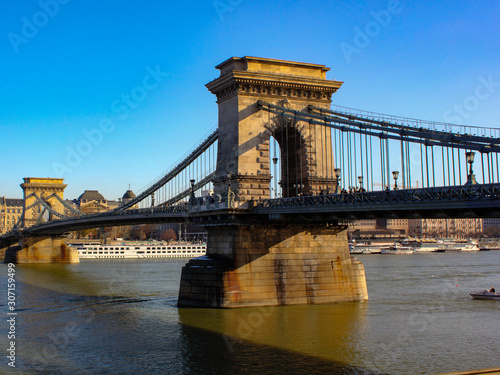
x=276 y=184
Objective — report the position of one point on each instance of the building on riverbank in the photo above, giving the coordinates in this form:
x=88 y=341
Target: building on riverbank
x=425 y=228
x=11 y=210
x=446 y=228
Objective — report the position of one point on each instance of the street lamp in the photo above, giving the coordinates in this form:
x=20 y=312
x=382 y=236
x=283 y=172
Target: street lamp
x=230 y=193
x=395 y=175
x=337 y=174
x=360 y=180
x=471 y=179
x=192 y=198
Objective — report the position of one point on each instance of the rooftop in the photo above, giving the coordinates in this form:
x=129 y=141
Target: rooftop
x=91 y=195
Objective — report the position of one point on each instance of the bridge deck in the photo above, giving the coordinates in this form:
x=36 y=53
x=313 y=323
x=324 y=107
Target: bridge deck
x=444 y=202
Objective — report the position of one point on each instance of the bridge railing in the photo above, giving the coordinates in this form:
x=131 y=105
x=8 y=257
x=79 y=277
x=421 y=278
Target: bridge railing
x=178 y=209
x=447 y=193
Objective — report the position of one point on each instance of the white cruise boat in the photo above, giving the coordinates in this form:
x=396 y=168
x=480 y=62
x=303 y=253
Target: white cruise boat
x=421 y=245
x=456 y=246
x=470 y=247
x=398 y=249
x=367 y=247
x=134 y=251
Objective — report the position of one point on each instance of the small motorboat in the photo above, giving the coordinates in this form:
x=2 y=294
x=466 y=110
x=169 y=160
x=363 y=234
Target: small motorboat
x=485 y=294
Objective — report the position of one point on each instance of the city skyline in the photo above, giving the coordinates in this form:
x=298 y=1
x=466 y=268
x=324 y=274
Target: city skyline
x=107 y=95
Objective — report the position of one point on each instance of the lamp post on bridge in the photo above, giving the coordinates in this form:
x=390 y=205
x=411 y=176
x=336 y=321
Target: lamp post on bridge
x=192 y=198
x=337 y=174
x=360 y=180
x=395 y=175
x=471 y=179
x=230 y=193
x=299 y=189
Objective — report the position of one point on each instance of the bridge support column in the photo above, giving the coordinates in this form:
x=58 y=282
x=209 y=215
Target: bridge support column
x=269 y=266
x=41 y=249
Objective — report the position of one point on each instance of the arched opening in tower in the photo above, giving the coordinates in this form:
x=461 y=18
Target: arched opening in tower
x=289 y=161
x=47 y=215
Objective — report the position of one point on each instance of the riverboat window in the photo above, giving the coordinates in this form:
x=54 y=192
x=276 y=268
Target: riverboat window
x=122 y=252
x=84 y=252
x=184 y=251
x=122 y=248
x=148 y=252
x=169 y=252
x=128 y=248
x=140 y=252
x=100 y=252
x=183 y=247
x=95 y=252
x=148 y=248
x=164 y=248
x=105 y=252
x=137 y=248
x=163 y=252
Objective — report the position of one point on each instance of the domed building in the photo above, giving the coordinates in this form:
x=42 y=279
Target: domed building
x=91 y=201
x=128 y=196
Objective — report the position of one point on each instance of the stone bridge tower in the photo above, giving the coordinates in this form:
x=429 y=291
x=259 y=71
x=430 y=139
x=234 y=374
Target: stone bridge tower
x=43 y=199
x=245 y=131
x=257 y=260
x=50 y=190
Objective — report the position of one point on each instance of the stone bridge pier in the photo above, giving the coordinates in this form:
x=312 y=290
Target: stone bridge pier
x=262 y=265
x=39 y=249
x=255 y=260
x=42 y=198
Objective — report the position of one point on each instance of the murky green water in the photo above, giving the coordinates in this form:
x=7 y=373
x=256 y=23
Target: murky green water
x=120 y=317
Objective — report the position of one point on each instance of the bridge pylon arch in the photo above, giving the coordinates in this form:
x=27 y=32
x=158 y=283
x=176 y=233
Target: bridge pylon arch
x=244 y=130
x=42 y=195
x=268 y=261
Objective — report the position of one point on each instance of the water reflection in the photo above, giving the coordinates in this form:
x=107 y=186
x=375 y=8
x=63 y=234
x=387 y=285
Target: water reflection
x=321 y=337
x=114 y=317
x=207 y=352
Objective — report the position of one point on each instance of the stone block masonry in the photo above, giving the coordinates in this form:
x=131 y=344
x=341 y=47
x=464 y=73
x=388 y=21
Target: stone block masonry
x=42 y=250
x=269 y=266
x=254 y=261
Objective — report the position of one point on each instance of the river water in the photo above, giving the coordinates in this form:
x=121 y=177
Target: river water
x=120 y=317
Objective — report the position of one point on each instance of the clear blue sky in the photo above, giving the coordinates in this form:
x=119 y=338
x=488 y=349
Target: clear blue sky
x=65 y=66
